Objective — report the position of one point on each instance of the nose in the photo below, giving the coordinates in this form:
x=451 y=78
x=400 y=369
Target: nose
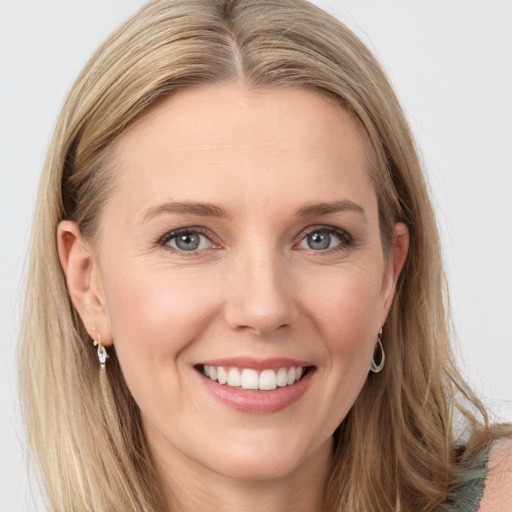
x=262 y=299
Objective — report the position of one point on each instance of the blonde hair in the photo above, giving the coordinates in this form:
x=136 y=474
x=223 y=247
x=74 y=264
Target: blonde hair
x=396 y=449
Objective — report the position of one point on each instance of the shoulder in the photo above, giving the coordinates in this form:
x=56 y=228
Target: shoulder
x=497 y=495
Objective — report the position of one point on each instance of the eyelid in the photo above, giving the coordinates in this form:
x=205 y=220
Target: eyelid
x=164 y=240
x=346 y=238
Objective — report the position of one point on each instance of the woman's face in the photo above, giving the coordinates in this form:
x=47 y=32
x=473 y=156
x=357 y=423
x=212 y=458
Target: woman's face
x=243 y=241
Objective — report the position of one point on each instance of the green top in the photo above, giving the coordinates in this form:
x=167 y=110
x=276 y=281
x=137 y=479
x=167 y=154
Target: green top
x=469 y=485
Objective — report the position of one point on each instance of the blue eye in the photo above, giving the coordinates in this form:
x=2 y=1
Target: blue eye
x=186 y=240
x=322 y=239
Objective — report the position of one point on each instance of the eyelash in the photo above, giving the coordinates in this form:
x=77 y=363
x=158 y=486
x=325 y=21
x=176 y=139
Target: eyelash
x=347 y=240
x=182 y=231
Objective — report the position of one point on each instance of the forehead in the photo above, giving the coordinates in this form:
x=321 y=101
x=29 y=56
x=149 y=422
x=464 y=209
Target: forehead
x=212 y=114
x=225 y=141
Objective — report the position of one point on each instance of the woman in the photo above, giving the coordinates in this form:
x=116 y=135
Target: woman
x=240 y=239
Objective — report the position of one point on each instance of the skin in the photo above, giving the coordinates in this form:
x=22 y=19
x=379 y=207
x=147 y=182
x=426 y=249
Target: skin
x=255 y=287
x=497 y=495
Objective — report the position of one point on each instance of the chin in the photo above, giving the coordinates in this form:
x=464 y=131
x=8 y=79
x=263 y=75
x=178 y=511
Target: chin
x=258 y=467
x=261 y=458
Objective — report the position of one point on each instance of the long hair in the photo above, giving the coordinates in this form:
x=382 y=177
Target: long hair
x=397 y=447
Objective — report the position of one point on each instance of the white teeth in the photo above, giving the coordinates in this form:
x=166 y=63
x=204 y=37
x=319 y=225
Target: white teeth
x=268 y=380
x=234 y=379
x=282 y=377
x=222 y=376
x=248 y=378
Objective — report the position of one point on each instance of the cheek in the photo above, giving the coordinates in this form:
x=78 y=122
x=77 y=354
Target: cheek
x=348 y=308
x=155 y=315
x=348 y=315
x=146 y=300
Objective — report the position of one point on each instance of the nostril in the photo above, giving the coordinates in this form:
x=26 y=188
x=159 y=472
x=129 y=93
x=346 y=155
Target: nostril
x=261 y=301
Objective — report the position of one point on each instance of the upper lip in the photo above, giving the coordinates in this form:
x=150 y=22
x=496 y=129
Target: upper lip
x=257 y=364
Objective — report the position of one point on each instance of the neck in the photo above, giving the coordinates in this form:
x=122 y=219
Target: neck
x=188 y=486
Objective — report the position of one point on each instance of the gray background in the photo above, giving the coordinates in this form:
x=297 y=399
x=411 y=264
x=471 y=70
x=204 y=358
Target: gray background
x=450 y=62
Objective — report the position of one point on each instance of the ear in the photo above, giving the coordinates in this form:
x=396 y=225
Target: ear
x=394 y=265
x=83 y=280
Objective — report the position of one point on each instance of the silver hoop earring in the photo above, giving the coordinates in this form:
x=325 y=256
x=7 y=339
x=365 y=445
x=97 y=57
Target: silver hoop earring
x=102 y=351
x=374 y=367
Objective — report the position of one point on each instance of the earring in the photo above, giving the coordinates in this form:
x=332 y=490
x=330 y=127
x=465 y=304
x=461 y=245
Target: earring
x=102 y=351
x=374 y=367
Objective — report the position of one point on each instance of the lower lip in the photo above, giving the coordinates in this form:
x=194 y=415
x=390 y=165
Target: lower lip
x=255 y=401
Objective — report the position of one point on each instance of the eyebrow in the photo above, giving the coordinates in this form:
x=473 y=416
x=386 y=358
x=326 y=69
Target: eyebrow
x=212 y=210
x=194 y=208
x=319 y=209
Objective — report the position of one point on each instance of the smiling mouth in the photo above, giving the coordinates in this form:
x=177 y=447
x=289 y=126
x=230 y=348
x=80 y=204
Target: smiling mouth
x=251 y=379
